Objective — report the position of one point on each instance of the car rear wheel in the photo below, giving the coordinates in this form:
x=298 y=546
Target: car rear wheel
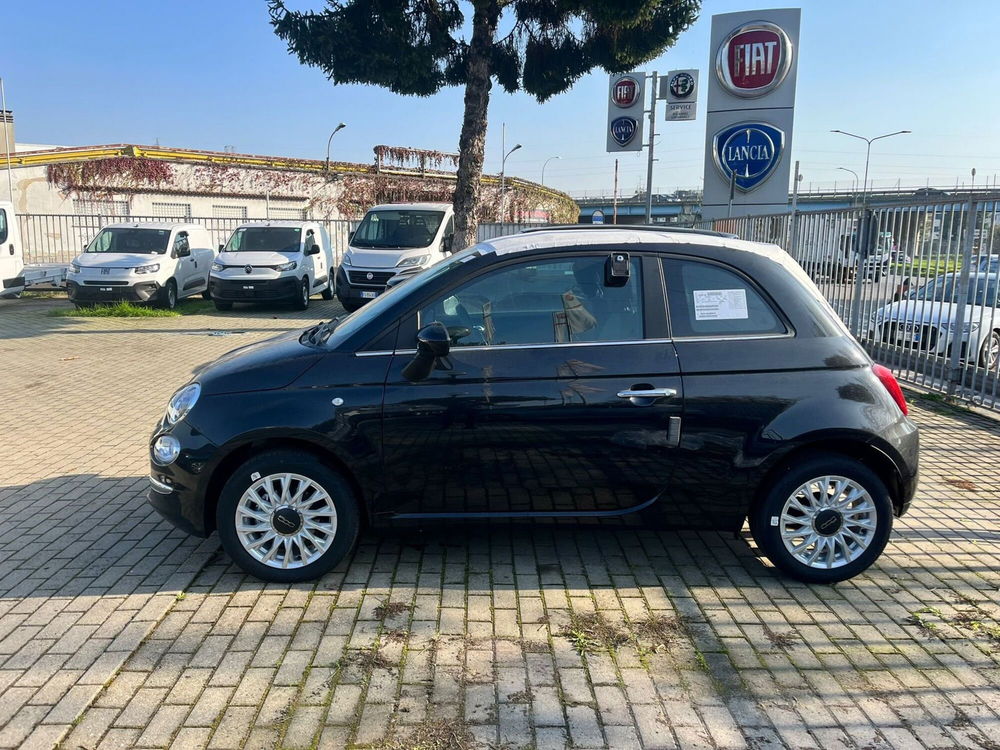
x=989 y=355
x=301 y=302
x=328 y=291
x=824 y=520
x=284 y=516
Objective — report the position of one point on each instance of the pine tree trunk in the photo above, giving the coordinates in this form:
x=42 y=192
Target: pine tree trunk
x=472 y=143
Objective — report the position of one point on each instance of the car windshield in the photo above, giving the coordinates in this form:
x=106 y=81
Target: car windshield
x=982 y=290
x=346 y=327
x=130 y=240
x=398 y=228
x=264 y=240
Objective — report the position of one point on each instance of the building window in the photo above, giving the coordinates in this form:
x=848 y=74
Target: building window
x=229 y=212
x=92 y=207
x=171 y=210
x=287 y=212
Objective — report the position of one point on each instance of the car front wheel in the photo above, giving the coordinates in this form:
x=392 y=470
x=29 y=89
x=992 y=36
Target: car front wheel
x=301 y=302
x=824 y=520
x=286 y=517
x=168 y=295
x=989 y=356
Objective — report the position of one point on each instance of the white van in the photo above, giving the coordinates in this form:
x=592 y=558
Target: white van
x=392 y=242
x=15 y=276
x=269 y=261
x=158 y=262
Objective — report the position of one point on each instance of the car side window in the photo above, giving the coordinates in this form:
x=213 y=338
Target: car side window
x=708 y=300
x=3 y=225
x=542 y=302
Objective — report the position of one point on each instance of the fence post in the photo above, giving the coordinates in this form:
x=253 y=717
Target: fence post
x=793 y=236
x=863 y=236
x=962 y=300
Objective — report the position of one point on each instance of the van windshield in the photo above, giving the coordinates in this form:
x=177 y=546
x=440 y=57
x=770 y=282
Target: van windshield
x=130 y=240
x=398 y=228
x=264 y=240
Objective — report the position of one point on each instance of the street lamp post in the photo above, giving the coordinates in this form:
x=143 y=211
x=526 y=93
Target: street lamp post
x=863 y=237
x=854 y=190
x=544 y=164
x=329 y=140
x=503 y=182
x=868 y=153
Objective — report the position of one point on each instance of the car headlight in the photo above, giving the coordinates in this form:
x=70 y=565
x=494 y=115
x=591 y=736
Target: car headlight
x=149 y=268
x=286 y=266
x=182 y=402
x=347 y=260
x=166 y=449
x=218 y=267
x=74 y=268
x=417 y=260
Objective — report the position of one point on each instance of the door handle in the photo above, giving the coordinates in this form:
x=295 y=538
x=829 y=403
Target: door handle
x=652 y=393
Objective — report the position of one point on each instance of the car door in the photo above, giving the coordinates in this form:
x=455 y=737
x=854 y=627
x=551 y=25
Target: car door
x=315 y=263
x=204 y=253
x=560 y=396
x=184 y=268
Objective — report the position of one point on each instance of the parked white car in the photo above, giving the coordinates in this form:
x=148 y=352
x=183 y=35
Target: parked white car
x=274 y=261
x=156 y=262
x=926 y=319
x=393 y=242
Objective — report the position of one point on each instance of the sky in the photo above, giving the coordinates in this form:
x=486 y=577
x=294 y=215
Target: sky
x=211 y=74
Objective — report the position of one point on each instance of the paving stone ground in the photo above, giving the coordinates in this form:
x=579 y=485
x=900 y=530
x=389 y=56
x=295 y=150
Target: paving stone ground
x=117 y=631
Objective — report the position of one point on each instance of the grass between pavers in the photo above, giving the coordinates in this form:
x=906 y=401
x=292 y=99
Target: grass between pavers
x=126 y=309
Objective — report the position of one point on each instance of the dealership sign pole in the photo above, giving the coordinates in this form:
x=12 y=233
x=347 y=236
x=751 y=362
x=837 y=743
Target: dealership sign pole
x=751 y=102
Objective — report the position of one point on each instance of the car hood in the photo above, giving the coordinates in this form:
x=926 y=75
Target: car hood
x=255 y=258
x=934 y=313
x=387 y=257
x=117 y=260
x=266 y=365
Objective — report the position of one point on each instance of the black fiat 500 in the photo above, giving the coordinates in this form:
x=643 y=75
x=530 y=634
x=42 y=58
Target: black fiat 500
x=631 y=376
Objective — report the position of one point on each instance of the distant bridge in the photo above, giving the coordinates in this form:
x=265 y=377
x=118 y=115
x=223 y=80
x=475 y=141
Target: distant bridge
x=685 y=206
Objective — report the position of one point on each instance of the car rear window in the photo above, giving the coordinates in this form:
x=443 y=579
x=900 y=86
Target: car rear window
x=708 y=300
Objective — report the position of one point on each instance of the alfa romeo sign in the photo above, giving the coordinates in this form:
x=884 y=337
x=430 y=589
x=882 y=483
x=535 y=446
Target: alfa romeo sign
x=750 y=150
x=680 y=89
x=754 y=59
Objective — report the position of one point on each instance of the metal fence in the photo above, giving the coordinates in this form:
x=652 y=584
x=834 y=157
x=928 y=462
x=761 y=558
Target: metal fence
x=58 y=238
x=916 y=284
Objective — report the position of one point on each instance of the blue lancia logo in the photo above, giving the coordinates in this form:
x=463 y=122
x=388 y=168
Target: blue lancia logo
x=751 y=150
x=623 y=130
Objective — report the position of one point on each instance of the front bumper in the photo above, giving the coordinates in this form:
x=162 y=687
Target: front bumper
x=254 y=290
x=178 y=491
x=98 y=291
x=352 y=283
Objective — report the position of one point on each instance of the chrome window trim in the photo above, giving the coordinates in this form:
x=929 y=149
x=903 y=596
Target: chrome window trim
x=553 y=345
x=736 y=337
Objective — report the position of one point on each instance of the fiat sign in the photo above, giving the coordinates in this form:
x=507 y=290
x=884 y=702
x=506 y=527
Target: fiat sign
x=625 y=92
x=626 y=106
x=754 y=59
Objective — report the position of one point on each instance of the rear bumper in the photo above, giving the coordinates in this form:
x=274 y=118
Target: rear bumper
x=141 y=292
x=251 y=290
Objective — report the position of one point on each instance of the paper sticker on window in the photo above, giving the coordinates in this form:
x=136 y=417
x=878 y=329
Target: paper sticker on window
x=720 y=304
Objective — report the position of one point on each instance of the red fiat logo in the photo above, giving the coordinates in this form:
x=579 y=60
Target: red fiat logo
x=754 y=59
x=625 y=92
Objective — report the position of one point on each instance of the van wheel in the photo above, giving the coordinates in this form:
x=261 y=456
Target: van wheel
x=350 y=306
x=328 y=291
x=168 y=295
x=222 y=306
x=207 y=294
x=302 y=301
x=284 y=516
x=824 y=520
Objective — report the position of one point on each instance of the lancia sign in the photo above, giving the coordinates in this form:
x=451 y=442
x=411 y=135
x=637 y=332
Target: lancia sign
x=754 y=59
x=623 y=130
x=625 y=92
x=749 y=150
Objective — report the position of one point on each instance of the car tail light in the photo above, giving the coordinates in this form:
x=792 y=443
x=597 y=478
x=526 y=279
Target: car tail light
x=888 y=380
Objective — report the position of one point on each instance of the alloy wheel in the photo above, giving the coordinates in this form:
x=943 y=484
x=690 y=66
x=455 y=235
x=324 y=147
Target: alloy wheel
x=286 y=520
x=828 y=522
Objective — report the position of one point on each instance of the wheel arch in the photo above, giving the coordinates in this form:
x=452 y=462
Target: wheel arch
x=857 y=448
x=240 y=453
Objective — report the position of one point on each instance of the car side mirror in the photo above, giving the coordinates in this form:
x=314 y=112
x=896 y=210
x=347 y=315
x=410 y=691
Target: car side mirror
x=183 y=250
x=448 y=244
x=312 y=250
x=433 y=341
